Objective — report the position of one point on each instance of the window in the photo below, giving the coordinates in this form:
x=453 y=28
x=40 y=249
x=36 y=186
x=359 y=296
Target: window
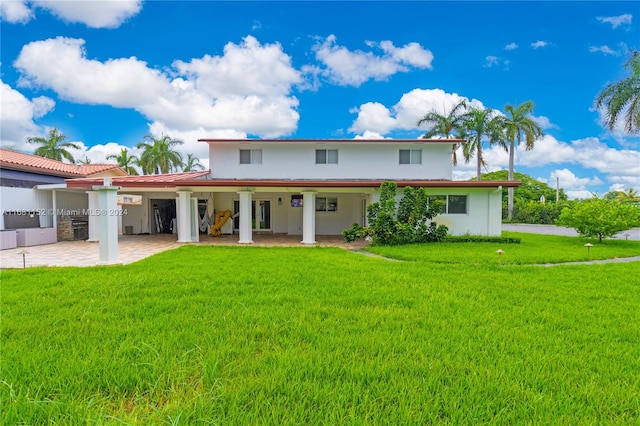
x=326 y=204
x=250 y=156
x=451 y=204
x=410 y=156
x=326 y=156
x=457 y=204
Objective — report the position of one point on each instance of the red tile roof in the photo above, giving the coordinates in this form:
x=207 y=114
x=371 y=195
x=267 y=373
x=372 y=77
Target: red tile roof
x=33 y=163
x=167 y=180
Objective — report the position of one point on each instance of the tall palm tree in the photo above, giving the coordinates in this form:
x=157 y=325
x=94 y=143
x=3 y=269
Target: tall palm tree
x=478 y=124
x=444 y=124
x=624 y=95
x=158 y=155
x=192 y=163
x=125 y=160
x=517 y=123
x=54 y=148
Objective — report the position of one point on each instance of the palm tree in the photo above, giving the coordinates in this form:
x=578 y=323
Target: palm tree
x=444 y=124
x=478 y=124
x=516 y=124
x=125 y=160
x=158 y=155
x=192 y=163
x=622 y=96
x=85 y=160
x=54 y=147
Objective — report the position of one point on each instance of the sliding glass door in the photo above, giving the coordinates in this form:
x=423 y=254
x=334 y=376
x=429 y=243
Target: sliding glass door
x=260 y=215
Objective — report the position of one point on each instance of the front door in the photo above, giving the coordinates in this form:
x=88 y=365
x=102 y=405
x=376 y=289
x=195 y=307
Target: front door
x=260 y=215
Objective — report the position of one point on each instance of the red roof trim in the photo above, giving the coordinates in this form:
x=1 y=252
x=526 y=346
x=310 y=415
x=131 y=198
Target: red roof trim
x=341 y=141
x=360 y=183
x=167 y=180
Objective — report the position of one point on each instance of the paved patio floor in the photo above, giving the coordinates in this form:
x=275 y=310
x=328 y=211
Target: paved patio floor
x=132 y=248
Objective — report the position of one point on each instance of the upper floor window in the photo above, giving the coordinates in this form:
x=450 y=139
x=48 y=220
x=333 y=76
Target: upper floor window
x=410 y=156
x=250 y=156
x=326 y=156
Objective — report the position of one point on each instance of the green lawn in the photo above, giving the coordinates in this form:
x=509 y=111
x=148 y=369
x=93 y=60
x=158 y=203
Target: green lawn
x=251 y=335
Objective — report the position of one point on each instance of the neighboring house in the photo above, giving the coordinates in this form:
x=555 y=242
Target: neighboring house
x=24 y=205
x=305 y=187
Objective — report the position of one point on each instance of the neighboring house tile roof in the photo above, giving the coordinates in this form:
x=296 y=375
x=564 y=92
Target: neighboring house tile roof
x=32 y=163
x=167 y=180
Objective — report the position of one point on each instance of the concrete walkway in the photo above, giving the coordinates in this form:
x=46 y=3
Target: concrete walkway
x=631 y=234
x=132 y=248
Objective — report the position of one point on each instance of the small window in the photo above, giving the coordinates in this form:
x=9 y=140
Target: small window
x=457 y=204
x=326 y=156
x=410 y=156
x=326 y=204
x=250 y=156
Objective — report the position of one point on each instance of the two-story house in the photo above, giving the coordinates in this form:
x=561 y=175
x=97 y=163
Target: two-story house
x=306 y=187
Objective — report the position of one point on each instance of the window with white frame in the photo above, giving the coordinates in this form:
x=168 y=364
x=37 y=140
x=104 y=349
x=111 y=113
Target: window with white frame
x=250 y=156
x=326 y=156
x=410 y=156
x=450 y=204
x=326 y=204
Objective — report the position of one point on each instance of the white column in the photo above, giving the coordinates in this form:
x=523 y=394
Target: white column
x=92 y=197
x=194 y=220
x=108 y=222
x=245 y=218
x=54 y=205
x=308 y=217
x=183 y=216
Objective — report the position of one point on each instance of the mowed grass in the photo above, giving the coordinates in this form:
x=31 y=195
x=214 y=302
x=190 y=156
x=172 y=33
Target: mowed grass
x=251 y=335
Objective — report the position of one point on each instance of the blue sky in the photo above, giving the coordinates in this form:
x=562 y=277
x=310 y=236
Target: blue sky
x=107 y=72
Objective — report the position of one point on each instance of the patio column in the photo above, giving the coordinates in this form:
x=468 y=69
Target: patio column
x=183 y=216
x=308 y=217
x=108 y=221
x=92 y=197
x=245 y=217
x=194 y=220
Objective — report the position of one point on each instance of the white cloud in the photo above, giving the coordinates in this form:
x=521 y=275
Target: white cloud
x=540 y=43
x=219 y=93
x=370 y=135
x=511 y=46
x=92 y=13
x=352 y=68
x=15 y=12
x=605 y=50
x=616 y=21
x=544 y=122
x=404 y=115
x=18 y=113
x=490 y=61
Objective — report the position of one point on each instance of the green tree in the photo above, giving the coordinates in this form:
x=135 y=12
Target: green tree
x=192 y=163
x=629 y=196
x=528 y=207
x=410 y=222
x=158 y=155
x=445 y=124
x=623 y=97
x=517 y=124
x=478 y=124
x=598 y=217
x=54 y=147
x=125 y=160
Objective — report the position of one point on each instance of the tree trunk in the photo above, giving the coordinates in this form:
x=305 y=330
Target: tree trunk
x=479 y=152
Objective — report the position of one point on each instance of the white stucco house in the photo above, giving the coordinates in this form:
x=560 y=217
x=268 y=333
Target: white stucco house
x=303 y=187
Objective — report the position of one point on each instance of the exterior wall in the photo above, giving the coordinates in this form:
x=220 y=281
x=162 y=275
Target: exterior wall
x=26 y=199
x=356 y=160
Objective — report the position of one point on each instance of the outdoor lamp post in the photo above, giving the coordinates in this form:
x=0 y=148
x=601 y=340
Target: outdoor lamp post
x=499 y=251
x=588 y=246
